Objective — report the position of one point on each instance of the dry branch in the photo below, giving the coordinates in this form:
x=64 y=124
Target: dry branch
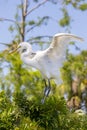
x=10 y=20
x=37 y=6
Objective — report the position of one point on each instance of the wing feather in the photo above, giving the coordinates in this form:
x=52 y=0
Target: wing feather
x=60 y=43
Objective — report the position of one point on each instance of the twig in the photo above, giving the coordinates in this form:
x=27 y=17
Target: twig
x=36 y=7
x=5 y=44
x=39 y=37
x=37 y=24
x=34 y=42
x=34 y=26
x=36 y=39
x=31 y=28
x=10 y=20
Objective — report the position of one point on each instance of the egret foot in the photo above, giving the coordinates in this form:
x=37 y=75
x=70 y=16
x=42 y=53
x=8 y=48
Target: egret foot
x=42 y=100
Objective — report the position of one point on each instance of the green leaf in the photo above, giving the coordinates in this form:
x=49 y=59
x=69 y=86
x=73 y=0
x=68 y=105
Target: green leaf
x=11 y=28
x=32 y=22
x=64 y=21
x=83 y=7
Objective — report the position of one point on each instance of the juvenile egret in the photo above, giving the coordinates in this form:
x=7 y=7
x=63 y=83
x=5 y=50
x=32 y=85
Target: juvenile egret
x=48 y=61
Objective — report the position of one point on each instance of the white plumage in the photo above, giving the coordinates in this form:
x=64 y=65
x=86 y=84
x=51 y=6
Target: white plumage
x=48 y=61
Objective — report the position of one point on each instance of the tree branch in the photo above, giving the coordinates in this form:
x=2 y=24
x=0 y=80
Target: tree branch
x=31 y=28
x=24 y=10
x=37 y=6
x=36 y=25
x=38 y=38
x=10 y=20
x=25 y=7
x=39 y=41
x=4 y=44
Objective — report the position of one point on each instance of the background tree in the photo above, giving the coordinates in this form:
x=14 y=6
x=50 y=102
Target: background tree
x=22 y=89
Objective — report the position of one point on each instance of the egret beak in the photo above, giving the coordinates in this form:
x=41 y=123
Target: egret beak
x=11 y=52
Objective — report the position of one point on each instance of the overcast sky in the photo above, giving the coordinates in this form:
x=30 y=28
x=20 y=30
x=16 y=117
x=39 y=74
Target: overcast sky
x=78 y=25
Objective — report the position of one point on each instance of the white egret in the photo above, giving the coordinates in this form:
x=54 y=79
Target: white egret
x=48 y=61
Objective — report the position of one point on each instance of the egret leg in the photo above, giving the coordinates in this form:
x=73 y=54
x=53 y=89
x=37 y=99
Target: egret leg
x=46 y=90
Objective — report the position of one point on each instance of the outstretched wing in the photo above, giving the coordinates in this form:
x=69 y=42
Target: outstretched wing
x=60 y=43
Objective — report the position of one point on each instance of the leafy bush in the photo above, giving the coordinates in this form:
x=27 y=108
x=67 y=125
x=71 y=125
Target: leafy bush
x=20 y=113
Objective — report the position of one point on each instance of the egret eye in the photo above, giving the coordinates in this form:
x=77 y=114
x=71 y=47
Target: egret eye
x=24 y=50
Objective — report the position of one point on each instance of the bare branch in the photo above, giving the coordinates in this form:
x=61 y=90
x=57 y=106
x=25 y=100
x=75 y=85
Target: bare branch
x=4 y=44
x=10 y=20
x=37 y=6
x=22 y=29
x=31 y=28
x=36 y=39
x=39 y=41
x=39 y=37
x=36 y=25
x=25 y=6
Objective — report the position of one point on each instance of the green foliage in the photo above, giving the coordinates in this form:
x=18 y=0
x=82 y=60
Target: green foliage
x=20 y=113
x=31 y=22
x=21 y=89
x=46 y=115
x=43 y=20
x=6 y=112
x=75 y=3
x=83 y=7
x=65 y=21
x=11 y=28
x=73 y=122
x=66 y=71
x=75 y=65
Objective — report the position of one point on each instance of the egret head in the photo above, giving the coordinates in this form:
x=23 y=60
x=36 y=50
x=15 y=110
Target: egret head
x=24 y=48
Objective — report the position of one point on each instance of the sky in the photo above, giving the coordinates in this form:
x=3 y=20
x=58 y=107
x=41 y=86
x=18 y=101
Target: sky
x=78 y=25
